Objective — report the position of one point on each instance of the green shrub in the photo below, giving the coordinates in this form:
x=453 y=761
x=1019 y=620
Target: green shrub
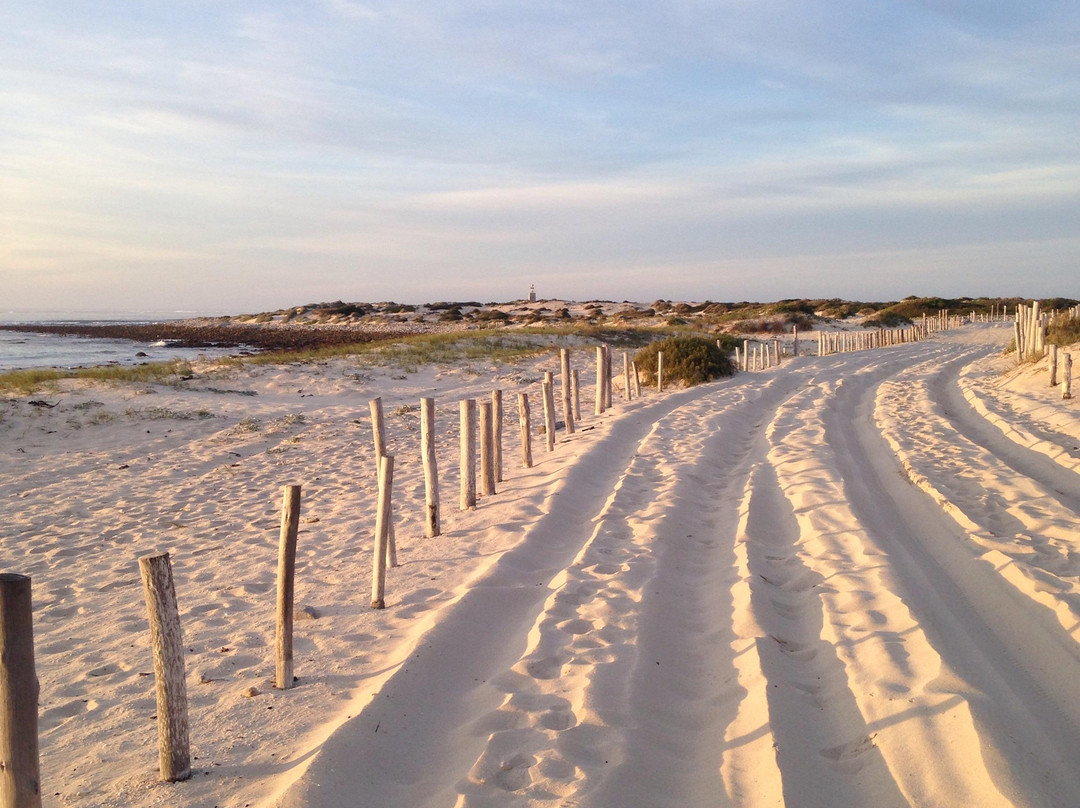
x=691 y=360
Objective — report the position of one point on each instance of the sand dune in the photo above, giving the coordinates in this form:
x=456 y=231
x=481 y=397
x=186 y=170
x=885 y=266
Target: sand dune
x=849 y=581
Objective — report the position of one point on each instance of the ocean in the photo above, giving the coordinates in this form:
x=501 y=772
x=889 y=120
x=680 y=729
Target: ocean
x=22 y=350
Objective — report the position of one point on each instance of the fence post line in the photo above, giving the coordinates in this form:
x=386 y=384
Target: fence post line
x=567 y=403
x=549 y=415
x=20 y=777
x=468 y=453
x=286 y=573
x=497 y=413
x=599 y=379
x=382 y=532
x=431 y=467
x=487 y=449
x=526 y=429
x=166 y=642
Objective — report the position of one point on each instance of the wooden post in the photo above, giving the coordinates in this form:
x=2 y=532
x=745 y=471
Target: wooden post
x=497 y=410
x=576 y=383
x=382 y=532
x=286 y=573
x=1053 y=364
x=431 y=467
x=378 y=434
x=607 y=377
x=549 y=415
x=166 y=642
x=795 y=341
x=1066 y=377
x=660 y=371
x=746 y=355
x=526 y=429
x=567 y=403
x=20 y=774
x=636 y=378
x=600 y=380
x=487 y=449
x=468 y=454
x=626 y=375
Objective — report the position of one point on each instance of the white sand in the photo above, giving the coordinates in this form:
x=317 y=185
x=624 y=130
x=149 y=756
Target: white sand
x=729 y=595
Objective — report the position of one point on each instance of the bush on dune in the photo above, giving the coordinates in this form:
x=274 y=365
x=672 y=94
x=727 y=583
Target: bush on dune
x=691 y=360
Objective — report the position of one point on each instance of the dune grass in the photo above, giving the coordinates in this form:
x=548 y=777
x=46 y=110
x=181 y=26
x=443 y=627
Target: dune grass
x=28 y=381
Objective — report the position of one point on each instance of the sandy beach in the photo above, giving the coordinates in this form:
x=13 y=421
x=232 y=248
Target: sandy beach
x=847 y=581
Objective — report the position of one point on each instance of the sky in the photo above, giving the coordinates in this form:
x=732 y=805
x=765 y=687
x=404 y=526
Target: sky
x=248 y=156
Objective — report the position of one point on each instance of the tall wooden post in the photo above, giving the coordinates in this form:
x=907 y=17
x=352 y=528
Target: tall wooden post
x=468 y=454
x=1053 y=364
x=660 y=371
x=549 y=415
x=20 y=774
x=378 y=434
x=567 y=402
x=526 y=429
x=627 y=392
x=607 y=377
x=431 y=467
x=166 y=642
x=599 y=379
x=382 y=532
x=487 y=449
x=636 y=379
x=497 y=410
x=576 y=383
x=286 y=573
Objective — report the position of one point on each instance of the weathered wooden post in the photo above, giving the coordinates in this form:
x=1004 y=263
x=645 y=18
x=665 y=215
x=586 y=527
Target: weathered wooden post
x=382 y=532
x=286 y=574
x=549 y=415
x=660 y=371
x=576 y=383
x=487 y=449
x=746 y=355
x=626 y=375
x=497 y=410
x=378 y=435
x=636 y=378
x=166 y=642
x=20 y=774
x=431 y=467
x=738 y=356
x=1019 y=339
x=526 y=430
x=468 y=453
x=795 y=341
x=607 y=377
x=567 y=403
x=599 y=379
x=1053 y=364
x=1066 y=377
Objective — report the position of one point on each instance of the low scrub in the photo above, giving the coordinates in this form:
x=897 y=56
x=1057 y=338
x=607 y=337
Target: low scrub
x=690 y=360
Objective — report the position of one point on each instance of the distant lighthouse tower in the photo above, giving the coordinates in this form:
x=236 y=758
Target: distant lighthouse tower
x=532 y=293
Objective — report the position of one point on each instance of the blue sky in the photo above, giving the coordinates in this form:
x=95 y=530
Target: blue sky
x=249 y=156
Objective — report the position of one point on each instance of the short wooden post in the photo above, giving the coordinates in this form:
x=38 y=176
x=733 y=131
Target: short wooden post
x=431 y=467
x=166 y=642
x=1053 y=364
x=526 y=430
x=794 y=340
x=487 y=449
x=1066 y=377
x=382 y=532
x=468 y=454
x=627 y=393
x=599 y=379
x=660 y=371
x=567 y=402
x=20 y=774
x=286 y=573
x=576 y=384
x=549 y=415
x=497 y=410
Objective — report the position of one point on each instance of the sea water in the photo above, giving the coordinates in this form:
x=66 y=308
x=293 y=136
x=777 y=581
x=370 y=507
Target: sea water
x=22 y=350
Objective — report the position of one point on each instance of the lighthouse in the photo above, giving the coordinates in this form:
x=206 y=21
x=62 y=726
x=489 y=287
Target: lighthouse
x=532 y=293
